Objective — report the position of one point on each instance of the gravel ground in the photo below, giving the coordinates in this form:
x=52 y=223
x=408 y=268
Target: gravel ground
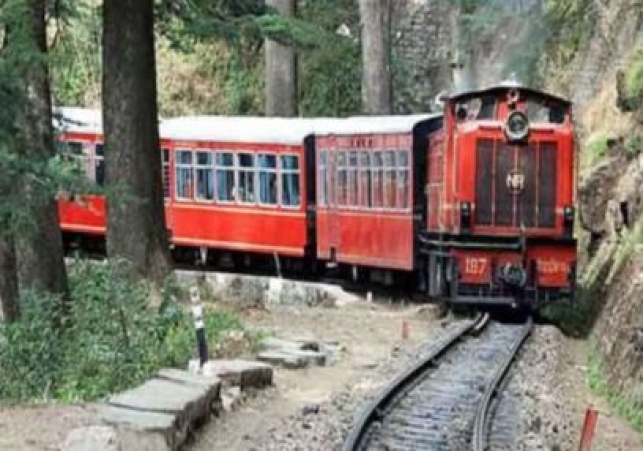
x=531 y=414
x=313 y=409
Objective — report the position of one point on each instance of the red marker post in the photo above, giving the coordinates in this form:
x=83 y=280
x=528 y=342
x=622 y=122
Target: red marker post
x=589 y=428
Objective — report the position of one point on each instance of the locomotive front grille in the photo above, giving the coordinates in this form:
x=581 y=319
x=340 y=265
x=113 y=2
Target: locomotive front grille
x=516 y=185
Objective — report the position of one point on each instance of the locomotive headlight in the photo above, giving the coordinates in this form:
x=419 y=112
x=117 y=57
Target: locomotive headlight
x=517 y=126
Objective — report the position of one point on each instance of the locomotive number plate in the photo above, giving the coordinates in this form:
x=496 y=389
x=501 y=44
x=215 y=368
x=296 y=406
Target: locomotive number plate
x=552 y=267
x=475 y=266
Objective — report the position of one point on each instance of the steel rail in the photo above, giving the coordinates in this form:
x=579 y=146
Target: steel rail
x=375 y=411
x=483 y=417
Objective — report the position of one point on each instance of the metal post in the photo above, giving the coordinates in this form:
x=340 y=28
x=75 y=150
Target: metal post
x=589 y=427
x=197 y=312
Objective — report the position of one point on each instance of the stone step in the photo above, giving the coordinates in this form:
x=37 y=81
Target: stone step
x=243 y=373
x=173 y=407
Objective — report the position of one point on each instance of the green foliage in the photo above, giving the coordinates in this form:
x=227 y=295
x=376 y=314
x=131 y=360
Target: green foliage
x=633 y=146
x=597 y=147
x=76 y=55
x=330 y=73
x=113 y=339
x=630 y=408
x=576 y=318
x=634 y=78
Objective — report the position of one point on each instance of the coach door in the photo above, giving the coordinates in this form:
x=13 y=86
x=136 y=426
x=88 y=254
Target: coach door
x=333 y=223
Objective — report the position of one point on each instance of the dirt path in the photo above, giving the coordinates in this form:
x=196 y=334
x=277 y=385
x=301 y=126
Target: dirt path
x=612 y=432
x=368 y=332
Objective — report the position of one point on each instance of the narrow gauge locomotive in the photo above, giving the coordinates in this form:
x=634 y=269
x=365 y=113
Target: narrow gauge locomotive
x=474 y=205
x=500 y=189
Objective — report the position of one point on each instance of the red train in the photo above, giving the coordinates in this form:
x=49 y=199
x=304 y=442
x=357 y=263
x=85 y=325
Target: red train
x=474 y=205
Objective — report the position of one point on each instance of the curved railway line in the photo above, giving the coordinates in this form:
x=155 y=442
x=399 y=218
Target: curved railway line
x=445 y=401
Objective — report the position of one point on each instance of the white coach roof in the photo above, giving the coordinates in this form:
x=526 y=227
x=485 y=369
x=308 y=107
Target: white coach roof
x=246 y=129
x=79 y=120
x=281 y=130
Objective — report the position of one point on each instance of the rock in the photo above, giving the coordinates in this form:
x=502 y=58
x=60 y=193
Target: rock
x=92 y=438
x=231 y=398
x=212 y=385
x=285 y=359
x=189 y=404
x=310 y=409
x=243 y=373
x=155 y=427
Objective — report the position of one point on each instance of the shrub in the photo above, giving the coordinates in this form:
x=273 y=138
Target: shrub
x=598 y=147
x=634 y=78
x=113 y=339
x=633 y=146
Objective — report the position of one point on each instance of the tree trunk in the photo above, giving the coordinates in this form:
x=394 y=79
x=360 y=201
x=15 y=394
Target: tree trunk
x=463 y=64
x=281 y=70
x=41 y=260
x=376 y=71
x=136 y=227
x=8 y=279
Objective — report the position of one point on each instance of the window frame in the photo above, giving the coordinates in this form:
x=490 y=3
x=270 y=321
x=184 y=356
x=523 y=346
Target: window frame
x=322 y=178
x=178 y=165
x=297 y=172
x=232 y=169
x=274 y=171
x=195 y=167
x=246 y=169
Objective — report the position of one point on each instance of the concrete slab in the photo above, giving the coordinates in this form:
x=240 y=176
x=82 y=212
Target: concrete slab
x=243 y=373
x=149 y=424
x=284 y=358
x=212 y=385
x=159 y=395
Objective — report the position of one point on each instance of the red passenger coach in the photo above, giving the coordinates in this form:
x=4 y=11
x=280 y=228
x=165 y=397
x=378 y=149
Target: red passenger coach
x=80 y=137
x=240 y=184
x=366 y=196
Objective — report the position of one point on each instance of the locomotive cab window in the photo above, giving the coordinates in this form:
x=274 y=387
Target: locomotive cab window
x=477 y=108
x=290 y=196
x=539 y=110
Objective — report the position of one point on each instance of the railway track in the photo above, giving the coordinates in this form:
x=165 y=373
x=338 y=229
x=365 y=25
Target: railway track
x=446 y=400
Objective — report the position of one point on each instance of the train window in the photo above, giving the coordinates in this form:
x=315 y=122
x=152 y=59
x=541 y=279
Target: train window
x=322 y=178
x=290 y=196
x=365 y=191
x=540 y=111
x=166 y=173
x=204 y=176
x=267 y=169
x=402 y=179
x=225 y=176
x=477 y=108
x=353 y=184
x=342 y=179
x=377 y=176
x=389 y=179
x=99 y=164
x=246 y=178
x=184 y=182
